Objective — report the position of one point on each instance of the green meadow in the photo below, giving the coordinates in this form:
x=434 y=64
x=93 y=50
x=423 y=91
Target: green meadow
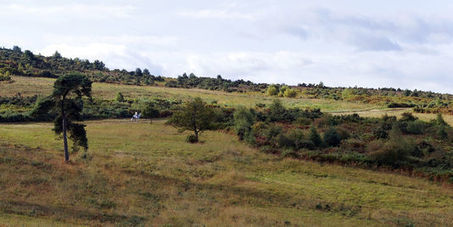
x=145 y=174
x=27 y=86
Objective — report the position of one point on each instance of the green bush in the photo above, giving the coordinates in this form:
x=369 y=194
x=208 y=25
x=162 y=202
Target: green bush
x=416 y=127
x=380 y=132
x=314 y=137
x=391 y=153
x=395 y=152
x=282 y=90
x=290 y=93
x=299 y=140
x=408 y=117
x=303 y=121
x=5 y=77
x=272 y=132
x=243 y=121
x=119 y=97
x=150 y=111
x=272 y=90
x=191 y=139
x=277 y=112
x=332 y=138
x=284 y=141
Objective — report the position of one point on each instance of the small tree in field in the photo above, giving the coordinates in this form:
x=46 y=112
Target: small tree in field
x=68 y=105
x=194 y=116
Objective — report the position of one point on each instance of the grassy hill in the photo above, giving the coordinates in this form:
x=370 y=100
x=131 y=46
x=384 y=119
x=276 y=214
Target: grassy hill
x=143 y=173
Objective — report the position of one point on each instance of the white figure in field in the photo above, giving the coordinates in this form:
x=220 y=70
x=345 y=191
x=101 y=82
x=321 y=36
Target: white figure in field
x=136 y=116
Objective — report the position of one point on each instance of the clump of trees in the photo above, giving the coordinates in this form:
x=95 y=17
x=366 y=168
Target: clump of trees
x=218 y=83
x=25 y=63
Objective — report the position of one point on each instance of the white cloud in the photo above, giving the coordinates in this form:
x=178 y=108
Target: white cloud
x=216 y=14
x=74 y=9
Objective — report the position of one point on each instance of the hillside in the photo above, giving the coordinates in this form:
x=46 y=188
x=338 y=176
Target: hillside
x=145 y=173
x=15 y=62
x=274 y=154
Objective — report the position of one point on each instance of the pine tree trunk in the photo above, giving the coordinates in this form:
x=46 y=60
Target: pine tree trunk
x=65 y=141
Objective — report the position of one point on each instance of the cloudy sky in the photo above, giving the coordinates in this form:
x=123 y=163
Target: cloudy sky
x=404 y=43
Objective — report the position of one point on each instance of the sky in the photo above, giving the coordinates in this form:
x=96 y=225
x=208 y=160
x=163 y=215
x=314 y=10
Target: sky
x=386 y=43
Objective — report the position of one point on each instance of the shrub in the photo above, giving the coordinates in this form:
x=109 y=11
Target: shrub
x=260 y=105
x=353 y=144
x=243 y=121
x=394 y=152
x=119 y=97
x=440 y=120
x=400 y=105
x=284 y=142
x=272 y=90
x=277 y=112
x=416 y=127
x=425 y=148
x=5 y=77
x=343 y=133
x=290 y=93
x=282 y=91
x=380 y=132
x=191 y=139
x=314 y=137
x=289 y=153
x=150 y=111
x=332 y=138
x=303 y=121
x=441 y=132
x=408 y=117
x=299 y=141
x=271 y=133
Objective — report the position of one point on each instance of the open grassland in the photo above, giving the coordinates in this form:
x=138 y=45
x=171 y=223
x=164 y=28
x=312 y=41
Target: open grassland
x=397 y=112
x=142 y=173
x=43 y=86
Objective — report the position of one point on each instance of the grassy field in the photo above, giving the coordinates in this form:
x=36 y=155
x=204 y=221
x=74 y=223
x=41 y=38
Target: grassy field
x=43 y=86
x=143 y=173
x=397 y=113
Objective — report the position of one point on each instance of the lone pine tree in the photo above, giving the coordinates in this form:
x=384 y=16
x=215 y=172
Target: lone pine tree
x=68 y=105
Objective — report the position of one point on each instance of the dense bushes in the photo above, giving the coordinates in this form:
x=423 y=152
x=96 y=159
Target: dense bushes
x=217 y=83
x=407 y=143
x=281 y=91
x=5 y=76
x=21 y=109
x=392 y=152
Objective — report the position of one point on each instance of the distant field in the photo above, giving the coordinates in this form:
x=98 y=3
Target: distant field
x=142 y=173
x=397 y=113
x=43 y=86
